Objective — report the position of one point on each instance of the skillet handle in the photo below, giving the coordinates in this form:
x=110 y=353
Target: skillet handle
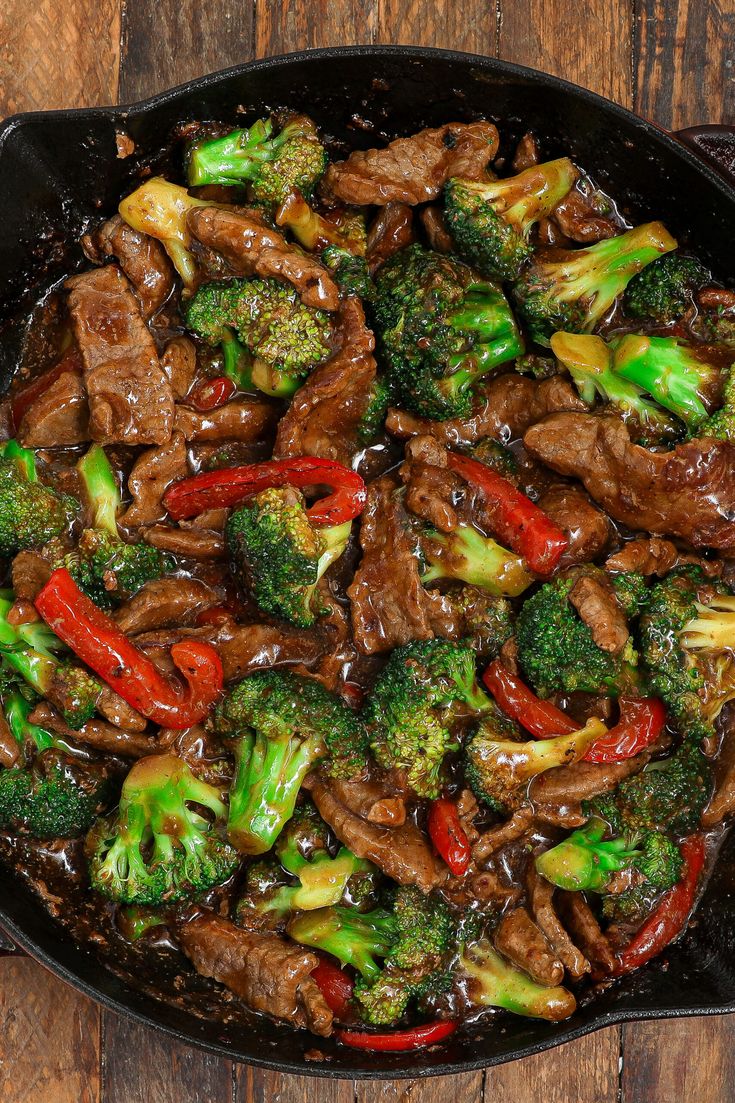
x=715 y=144
x=8 y=947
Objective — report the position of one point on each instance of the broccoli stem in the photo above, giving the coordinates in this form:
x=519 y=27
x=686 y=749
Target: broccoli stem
x=670 y=371
x=101 y=490
x=713 y=629
x=473 y=558
x=584 y=861
x=159 y=208
x=23 y=458
x=499 y=984
x=231 y=159
x=17 y=711
x=353 y=938
x=486 y=316
x=26 y=648
x=237 y=361
x=271 y=381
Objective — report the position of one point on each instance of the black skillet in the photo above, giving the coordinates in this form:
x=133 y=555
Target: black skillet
x=59 y=171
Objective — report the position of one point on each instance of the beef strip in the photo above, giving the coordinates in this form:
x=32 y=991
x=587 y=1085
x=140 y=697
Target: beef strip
x=413 y=170
x=568 y=785
x=269 y=974
x=581 y=923
x=527 y=153
x=503 y=408
x=432 y=489
x=541 y=902
x=519 y=939
x=595 y=601
x=652 y=555
x=30 y=573
x=152 y=473
x=390 y=231
x=165 y=603
x=586 y=527
x=245 y=419
x=722 y=802
x=687 y=492
x=440 y=240
x=324 y=416
x=402 y=852
x=578 y=219
x=251 y=247
x=59 y=417
x=194 y=543
x=130 y=400
x=119 y=712
x=103 y=737
x=519 y=824
x=143 y=260
x=9 y=749
x=179 y=363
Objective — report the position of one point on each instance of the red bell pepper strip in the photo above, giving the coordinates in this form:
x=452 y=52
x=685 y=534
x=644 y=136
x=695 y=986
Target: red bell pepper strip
x=99 y=643
x=514 y=518
x=229 y=487
x=542 y=719
x=640 y=724
x=20 y=403
x=416 y=1037
x=670 y=916
x=212 y=393
x=448 y=835
x=335 y=985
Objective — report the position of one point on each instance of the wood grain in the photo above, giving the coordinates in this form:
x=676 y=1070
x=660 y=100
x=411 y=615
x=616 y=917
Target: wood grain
x=585 y=1071
x=456 y=24
x=49 y=1038
x=307 y=24
x=682 y=1059
x=465 y=1088
x=259 y=1086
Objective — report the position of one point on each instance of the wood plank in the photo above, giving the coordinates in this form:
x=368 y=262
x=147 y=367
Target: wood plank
x=58 y=55
x=688 y=1059
x=455 y=24
x=465 y=1088
x=585 y=1071
x=294 y=25
x=259 y=1086
x=144 y=1066
x=172 y=41
x=50 y=1038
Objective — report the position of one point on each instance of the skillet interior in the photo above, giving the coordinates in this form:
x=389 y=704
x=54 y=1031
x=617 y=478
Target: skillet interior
x=59 y=172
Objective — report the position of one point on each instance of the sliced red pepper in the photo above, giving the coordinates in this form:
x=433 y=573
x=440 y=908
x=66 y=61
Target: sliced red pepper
x=99 y=643
x=212 y=393
x=21 y=402
x=335 y=985
x=448 y=835
x=230 y=486
x=542 y=719
x=641 y=723
x=670 y=916
x=515 y=519
x=416 y=1037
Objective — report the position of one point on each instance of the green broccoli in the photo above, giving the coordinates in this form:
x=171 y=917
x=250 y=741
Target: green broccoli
x=424 y=688
x=497 y=456
x=557 y=652
x=663 y=290
x=373 y=416
x=487 y=620
x=278 y=556
x=721 y=424
x=159 y=208
x=282 y=725
x=30 y=512
x=494 y=982
x=286 y=338
x=50 y=794
x=273 y=165
x=440 y=329
x=159 y=846
x=491 y=220
x=237 y=363
x=576 y=289
x=135 y=922
x=659 y=866
x=350 y=272
x=354 y=938
x=467 y=556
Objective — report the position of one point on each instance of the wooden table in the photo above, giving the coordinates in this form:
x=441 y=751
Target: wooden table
x=670 y=61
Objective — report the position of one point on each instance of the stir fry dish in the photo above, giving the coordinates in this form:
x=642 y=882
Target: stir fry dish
x=368 y=635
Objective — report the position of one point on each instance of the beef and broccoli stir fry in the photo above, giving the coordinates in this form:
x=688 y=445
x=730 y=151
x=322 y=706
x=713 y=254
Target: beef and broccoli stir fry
x=368 y=638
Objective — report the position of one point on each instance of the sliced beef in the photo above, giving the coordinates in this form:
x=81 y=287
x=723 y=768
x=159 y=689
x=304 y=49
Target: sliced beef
x=103 y=737
x=9 y=749
x=541 y=903
x=152 y=474
x=519 y=939
x=59 y=417
x=527 y=153
x=402 y=852
x=722 y=802
x=579 y=220
x=193 y=543
x=519 y=824
x=130 y=400
x=432 y=489
x=179 y=363
x=595 y=601
x=267 y=973
x=324 y=416
x=246 y=420
x=143 y=260
x=568 y=785
x=580 y=921
x=165 y=603
x=688 y=492
x=390 y=231
x=30 y=573
x=413 y=170
x=252 y=248
x=653 y=555
x=586 y=527
x=503 y=408
x=440 y=240
x=119 y=712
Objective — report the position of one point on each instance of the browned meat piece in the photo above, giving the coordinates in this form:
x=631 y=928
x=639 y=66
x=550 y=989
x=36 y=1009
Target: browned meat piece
x=390 y=231
x=656 y=556
x=403 y=852
x=266 y=972
x=194 y=543
x=527 y=153
x=716 y=298
x=130 y=400
x=250 y=247
x=440 y=240
x=542 y=908
x=388 y=812
x=201 y=750
x=119 y=712
x=165 y=603
x=104 y=737
x=390 y=606
x=468 y=809
x=578 y=220
x=722 y=802
x=30 y=573
x=595 y=601
x=519 y=824
x=688 y=492
x=9 y=749
x=324 y=415
x=432 y=490
x=585 y=930
x=59 y=417
x=143 y=260
x=413 y=170
x=568 y=785
x=245 y=420
x=503 y=408
x=179 y=363
x=585 y=526
x=152 y=473
x=519 y=939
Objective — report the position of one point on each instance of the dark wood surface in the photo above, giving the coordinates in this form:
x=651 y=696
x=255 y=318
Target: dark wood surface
x=673 y=62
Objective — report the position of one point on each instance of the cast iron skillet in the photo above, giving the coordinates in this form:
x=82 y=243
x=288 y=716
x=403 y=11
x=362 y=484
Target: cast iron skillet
x=59 y=172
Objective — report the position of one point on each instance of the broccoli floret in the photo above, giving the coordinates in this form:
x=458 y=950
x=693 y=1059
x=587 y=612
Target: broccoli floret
x=467 y=556
x=373 y=417
x=660 y=864
x=160 y=208
x=265 y=899
x=716 y=325
x=589 y=361
x=354 y=938
x=30 y=512
x=440 y=328
x=491 y=220
x=423 y=689
x=159 y=846
x=495 y=455
x=556 y=649
x=721 y=424
x=49 y=794
x=283 y=724
x=350 y=272
x=134 y=922
x=494 y=982
x=575 y=290
x=286 y=338
x=663 y=291
x=487 y=620
x=278 y=556
x=273 y=165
